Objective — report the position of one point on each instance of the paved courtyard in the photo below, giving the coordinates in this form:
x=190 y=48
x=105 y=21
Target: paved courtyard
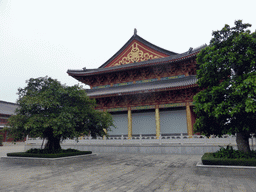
x=124 y=172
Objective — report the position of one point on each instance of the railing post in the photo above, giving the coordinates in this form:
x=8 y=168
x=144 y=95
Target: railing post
x=26 y=139
x=181 y=137
x=105 y=140
x=140 y=139
x=122 y=139
x=160 y=139
x=252 y=143
x=90 y=140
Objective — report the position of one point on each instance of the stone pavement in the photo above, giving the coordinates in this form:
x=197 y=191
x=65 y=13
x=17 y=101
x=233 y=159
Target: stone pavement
x=124 y=173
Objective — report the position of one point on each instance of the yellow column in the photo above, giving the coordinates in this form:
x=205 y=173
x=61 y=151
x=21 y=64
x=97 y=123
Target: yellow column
x=129 y=123
x=189 y=120
x=157 y=116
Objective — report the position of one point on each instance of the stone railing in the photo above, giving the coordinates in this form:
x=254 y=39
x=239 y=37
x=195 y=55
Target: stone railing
x=143 y=139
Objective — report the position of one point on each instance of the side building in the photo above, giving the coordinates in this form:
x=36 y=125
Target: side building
x=147 y=89
x=6 y=110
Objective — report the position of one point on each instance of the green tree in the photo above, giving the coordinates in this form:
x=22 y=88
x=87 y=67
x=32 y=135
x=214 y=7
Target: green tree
x=1 y=139
x=56 y=112
x=227 y=76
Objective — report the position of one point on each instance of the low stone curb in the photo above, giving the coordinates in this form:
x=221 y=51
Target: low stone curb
x=147 y=149
x=13 y=143
x=201 y=165
x=47 y=161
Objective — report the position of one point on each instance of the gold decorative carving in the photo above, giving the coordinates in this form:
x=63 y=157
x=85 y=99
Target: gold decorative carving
x=136 y=55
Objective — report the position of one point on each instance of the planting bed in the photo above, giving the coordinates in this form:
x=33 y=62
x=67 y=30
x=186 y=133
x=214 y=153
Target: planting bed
x=41 y=157
x=209 y=159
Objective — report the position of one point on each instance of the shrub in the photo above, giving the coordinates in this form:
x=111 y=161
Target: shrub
x=1 y=140
x=230 y=153
x=230 y=156
x=42 y=153
x=209 y=159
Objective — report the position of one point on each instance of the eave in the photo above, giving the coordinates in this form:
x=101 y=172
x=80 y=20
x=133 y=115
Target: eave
x=153 y=62
x=158 y=86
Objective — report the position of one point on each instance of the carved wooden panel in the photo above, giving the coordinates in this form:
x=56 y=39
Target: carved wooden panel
x=172 y=69
x=146 y=73
x=158 y=71
x=174 y=96
x=123 y=76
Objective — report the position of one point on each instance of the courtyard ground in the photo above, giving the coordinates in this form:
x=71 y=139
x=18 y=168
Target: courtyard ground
x=124 y=173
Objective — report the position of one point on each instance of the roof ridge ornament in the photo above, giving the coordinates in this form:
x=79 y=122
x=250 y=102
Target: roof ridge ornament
x=135 y=32
x=190 y=50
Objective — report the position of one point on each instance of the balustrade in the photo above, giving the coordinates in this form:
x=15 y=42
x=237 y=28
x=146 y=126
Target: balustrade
x=144 y=139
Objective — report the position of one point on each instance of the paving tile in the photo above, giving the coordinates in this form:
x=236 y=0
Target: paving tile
x=123 y=173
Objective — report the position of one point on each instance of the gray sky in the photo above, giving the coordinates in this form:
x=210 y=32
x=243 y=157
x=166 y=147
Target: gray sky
x=47 y=37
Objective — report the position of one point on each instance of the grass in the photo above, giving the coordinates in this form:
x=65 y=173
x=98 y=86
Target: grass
x=42 y=153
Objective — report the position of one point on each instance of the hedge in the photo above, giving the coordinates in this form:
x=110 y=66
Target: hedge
x=24 y=154
x=209 y=159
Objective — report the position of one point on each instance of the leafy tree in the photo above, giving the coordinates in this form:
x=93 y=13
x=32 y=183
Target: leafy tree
x=1 y=139
x=227 y=76
x=56 y=112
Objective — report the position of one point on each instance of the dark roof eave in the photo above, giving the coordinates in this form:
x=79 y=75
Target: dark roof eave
x=145 y=91
x=129 y=66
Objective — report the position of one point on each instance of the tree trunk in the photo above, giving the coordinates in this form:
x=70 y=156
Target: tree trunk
x=242 y=141
x=53 y=144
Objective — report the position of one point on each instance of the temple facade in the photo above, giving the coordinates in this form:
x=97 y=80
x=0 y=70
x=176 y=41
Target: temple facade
x=147 y=89
x=7 y=109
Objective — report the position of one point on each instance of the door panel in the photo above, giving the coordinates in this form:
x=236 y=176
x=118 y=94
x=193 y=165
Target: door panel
x=173 y=121
x=121 y=123
x=143 y=123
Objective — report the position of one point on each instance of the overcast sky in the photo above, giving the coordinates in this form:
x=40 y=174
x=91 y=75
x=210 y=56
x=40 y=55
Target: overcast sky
x=47 y=37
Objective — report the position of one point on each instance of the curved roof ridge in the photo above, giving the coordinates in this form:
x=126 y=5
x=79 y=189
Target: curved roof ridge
x=169 y=59
x=173 y=58
x=200 y=47
x=8 y=108
x=167 y=52
x=140 y=39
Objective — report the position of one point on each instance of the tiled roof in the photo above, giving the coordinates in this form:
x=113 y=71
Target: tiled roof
x=7 y=108
x=170 y=59
x=143 y=87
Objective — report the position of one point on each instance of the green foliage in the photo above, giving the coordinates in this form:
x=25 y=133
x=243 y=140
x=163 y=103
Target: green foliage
x=47 y=151
x=42 y=153
x=53 y=111
x=227 y=77
x=209 y=159
x=230 y=153
x=1 y=140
